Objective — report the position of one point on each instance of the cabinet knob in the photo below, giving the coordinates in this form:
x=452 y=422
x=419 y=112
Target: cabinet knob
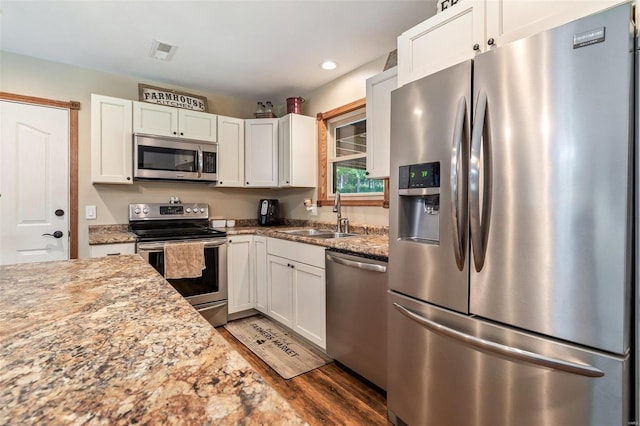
x=287 y=181
x=366 y=173
x=175 y=133
x=491 y=42
x=219 y=183
x=230 y=241
x=476 y=47
x=128 y=178
x=247 y=183
x=181 y=134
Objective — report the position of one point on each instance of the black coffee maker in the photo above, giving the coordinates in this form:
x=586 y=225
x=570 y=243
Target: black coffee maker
x=268 y=213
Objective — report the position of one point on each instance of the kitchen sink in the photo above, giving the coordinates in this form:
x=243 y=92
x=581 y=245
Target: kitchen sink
x=318 y=233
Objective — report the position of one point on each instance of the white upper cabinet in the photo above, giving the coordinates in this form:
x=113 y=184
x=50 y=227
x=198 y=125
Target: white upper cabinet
x=475 y=26
x=297 y=160
x=379 y=89
x=261 y=152
x=230 y=152
x=509 y=20
x=111 y=140
x=441 y=41
x=161 y=120
x=197 y=125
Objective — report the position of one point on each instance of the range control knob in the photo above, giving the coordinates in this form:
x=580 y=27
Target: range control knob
x=202 y=209
x=188 y=209
x=137 y=210
x=145 y=210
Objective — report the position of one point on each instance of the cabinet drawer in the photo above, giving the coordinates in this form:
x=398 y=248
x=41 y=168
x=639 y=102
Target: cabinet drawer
x=300 y=252
x=112 y=249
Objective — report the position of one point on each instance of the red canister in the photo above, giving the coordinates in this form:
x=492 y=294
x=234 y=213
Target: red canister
x=294 y=105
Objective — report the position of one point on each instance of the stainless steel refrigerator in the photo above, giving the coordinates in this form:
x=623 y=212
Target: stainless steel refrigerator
x=511 y=234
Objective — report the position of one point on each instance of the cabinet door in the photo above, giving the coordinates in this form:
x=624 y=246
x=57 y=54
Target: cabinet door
x=439 y=42
x=239 y=273
x=154 y=119
x=509 y=20
x=197 y=125
x=379 y=89
x=261 y=152
x=111 y=140
x=230 y=151
x=310 y=303
x=260 y=273
x=297 y=151
x=280 y=289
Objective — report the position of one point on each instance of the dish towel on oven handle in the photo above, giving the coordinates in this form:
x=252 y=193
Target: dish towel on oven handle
x=183 y=260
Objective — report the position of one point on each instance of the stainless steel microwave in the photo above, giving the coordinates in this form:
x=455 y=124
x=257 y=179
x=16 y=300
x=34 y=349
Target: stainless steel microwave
x=157 y=157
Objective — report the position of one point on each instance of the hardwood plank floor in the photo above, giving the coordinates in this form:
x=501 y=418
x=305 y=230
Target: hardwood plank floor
x=328 y=395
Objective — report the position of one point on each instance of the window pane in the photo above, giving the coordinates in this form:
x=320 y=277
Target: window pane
x=351 y=138
x=349 y=178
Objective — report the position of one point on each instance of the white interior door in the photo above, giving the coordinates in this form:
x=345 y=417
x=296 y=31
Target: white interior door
x=34 y=183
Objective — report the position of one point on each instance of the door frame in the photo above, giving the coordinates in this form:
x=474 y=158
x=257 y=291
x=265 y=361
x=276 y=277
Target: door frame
x=73 y=107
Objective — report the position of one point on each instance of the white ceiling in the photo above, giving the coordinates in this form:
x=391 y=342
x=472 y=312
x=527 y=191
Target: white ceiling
x=246 y=49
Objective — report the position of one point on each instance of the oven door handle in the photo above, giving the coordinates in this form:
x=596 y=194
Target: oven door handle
x=153 y=247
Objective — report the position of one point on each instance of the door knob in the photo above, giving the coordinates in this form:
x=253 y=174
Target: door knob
x=59 y=212
x=56 y=234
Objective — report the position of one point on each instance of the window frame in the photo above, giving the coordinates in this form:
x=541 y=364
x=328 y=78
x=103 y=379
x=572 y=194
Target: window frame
x=324 y=196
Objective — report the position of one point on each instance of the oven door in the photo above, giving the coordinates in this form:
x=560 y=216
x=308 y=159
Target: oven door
x=201 y=291
x=174 y=159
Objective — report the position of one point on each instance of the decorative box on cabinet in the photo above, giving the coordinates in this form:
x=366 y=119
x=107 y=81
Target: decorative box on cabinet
x=162 y=120
x=379 y=89
x=111 y=140
x=297 y=153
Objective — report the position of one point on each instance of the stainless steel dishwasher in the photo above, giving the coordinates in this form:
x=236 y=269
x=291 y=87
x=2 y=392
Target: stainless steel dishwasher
x=357 y=314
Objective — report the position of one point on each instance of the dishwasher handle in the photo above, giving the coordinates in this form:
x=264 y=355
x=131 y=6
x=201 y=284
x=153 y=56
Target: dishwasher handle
x=356 y=264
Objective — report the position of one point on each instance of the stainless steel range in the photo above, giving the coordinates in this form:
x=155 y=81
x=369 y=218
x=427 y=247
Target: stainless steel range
x=157 y=225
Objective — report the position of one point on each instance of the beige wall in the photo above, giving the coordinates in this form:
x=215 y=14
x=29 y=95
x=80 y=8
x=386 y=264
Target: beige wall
x=33 y=77
x=341 y=91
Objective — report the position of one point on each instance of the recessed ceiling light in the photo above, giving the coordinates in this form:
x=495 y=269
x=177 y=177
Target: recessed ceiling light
x=162 y=51
x=328 y=65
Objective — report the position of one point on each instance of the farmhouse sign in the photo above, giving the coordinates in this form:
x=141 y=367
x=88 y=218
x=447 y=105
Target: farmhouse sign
x=443 y=5
x=158 y=95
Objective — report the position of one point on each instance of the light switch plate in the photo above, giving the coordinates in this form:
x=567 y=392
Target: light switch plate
x=90 y=212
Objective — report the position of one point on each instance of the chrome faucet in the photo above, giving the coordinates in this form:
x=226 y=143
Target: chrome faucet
x=343 y=222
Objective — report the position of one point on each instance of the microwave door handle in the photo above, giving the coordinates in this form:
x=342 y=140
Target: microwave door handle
x=200 y=161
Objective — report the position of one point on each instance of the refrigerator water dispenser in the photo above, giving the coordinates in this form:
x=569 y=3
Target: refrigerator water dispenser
x=419 y=203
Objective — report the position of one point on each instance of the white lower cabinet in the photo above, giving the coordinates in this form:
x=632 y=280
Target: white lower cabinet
x=280 y=289
x=260 y=263
x=296 y=288
x=112 y=249
x=239 y=261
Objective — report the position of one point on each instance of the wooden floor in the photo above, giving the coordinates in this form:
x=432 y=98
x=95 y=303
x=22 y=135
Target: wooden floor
x=328 y=395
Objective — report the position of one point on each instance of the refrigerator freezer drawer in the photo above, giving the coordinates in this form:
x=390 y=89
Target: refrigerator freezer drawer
x=475 y=372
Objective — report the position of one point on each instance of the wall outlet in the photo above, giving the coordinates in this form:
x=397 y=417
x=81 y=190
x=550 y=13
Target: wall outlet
x=90 y=212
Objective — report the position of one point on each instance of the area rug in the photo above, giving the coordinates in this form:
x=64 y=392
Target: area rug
x=286 y=353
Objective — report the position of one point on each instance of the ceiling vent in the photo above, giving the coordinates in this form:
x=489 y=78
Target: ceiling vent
x=162 y=51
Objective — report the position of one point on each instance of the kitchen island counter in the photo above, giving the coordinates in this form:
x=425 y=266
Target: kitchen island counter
x=109 y=341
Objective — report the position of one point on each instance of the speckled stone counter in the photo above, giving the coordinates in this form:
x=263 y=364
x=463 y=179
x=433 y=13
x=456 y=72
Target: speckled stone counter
x=109 y=341
x=110 y=234
x=375 y=244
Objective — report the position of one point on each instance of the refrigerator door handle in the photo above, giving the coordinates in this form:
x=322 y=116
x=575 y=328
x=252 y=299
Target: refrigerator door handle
x=499 y=349
x=480 y=157
x=459 y=218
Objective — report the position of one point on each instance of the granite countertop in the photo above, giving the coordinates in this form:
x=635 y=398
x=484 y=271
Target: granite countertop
x=374 y=244
x=109 y=341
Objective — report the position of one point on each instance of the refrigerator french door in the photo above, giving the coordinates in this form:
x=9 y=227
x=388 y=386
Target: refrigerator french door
x=510 y=260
